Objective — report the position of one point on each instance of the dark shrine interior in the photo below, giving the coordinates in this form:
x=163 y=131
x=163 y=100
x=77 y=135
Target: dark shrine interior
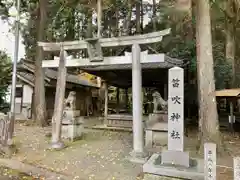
x=123 y=78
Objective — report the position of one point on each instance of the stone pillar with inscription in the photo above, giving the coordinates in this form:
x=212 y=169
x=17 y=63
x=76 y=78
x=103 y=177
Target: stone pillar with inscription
x=174 y=162
x=175 y=154
x=236 y=166
x=175 y=109
x=210 y=161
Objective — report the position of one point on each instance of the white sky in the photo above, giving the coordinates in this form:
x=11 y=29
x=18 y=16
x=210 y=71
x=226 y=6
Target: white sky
x=7 y=41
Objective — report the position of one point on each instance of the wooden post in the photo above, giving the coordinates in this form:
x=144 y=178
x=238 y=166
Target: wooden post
x=105 y=102
x=165 y=96
x=126 y=99
x=118 y=104
x=22 y=99
x=99 y=17
x=59 y=102
x=231 y=117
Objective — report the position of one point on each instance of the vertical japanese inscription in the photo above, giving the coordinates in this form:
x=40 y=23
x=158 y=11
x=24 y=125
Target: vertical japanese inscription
x=210 y=161
x=175 y=109
x=236 y=164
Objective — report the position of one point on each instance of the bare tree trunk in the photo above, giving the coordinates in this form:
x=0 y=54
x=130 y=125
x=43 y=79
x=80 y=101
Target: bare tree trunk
x=208 y=108
x=230 y=41
x=39 y=89
x=138 y=17
x=230 y=51
x=89 y=24
x=59 y=102
x=99 y=17
x=129 y=17
x=154 y=15
x=142 y=14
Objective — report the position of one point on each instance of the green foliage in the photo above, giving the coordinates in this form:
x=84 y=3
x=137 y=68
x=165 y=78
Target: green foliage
x=5 y=75
x=4 y=6
x=67 y=20
x=222 y=69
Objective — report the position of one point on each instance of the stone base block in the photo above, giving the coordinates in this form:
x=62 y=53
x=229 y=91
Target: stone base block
x=72 y=131
x=70 y=115
x=138 y=157
x=195 y=171
x=177 y=158
x=57 y=145
x=74 y=120
x=157 y=177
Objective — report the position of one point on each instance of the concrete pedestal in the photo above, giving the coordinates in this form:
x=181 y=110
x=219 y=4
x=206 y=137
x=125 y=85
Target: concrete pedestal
x=138 y=157
x=195 y=171
x=70 y=115
x=73 y=130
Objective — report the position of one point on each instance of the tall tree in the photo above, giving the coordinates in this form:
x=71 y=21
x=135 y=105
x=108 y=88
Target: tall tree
x=208 y=109
x=154 y=16
x=230 y=37
x=5 y=75
x=39 y=90
x=138 y=16
x=128 y=18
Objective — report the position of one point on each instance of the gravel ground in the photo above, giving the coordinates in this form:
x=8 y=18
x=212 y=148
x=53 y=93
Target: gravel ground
x=9 y=174
x=101 y=155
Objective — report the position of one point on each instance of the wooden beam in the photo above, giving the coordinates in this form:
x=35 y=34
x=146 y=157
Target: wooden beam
x=25 y=80
x=148 y=58
x=108 y=42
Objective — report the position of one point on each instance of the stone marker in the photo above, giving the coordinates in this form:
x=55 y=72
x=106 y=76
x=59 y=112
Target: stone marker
x=174 y=162
x=175 y=109
x=210 y=161
x=175 y=154
x=236 y=165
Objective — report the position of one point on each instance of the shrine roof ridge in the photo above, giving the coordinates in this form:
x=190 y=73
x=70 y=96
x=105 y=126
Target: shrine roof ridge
x=26 y=73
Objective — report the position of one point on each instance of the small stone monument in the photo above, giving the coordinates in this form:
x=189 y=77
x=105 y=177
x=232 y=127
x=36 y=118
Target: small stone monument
x=174 y=162
x=72 y=123
x=236 y=166
x=158 y=101
x=160 y=107
x=210 y=161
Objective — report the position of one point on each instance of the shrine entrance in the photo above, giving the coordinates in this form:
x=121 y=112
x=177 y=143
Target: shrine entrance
x=136 y=70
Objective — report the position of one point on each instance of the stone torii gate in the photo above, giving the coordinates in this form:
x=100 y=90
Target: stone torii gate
x=136 y=58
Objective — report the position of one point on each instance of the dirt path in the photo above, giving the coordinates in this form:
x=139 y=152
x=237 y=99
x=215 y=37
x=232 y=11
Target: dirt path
x=99 y=155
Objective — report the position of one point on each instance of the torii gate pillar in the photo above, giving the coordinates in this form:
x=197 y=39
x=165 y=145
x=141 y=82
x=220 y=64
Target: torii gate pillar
x=137 y=155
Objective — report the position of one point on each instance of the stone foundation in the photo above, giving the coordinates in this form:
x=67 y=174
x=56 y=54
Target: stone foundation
x=195 y=171
x=118 y=120
x=156 y=135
